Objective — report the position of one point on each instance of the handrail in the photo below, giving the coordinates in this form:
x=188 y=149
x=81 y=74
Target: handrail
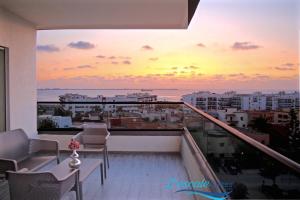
x=110 y=102
x=270 y=152
x=111 y=129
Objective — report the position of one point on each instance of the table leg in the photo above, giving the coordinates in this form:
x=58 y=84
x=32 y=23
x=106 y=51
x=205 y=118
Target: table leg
x=77 y=187
x=80 y=191
x=107 y=156
x=104 y=160
x=101 y=173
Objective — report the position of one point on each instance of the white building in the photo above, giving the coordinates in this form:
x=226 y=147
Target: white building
x=283 y=100
x=255 y=101
x=208 y=101
x=167 y=114
x=233 y=117
x=216 y=142
x=81 y=107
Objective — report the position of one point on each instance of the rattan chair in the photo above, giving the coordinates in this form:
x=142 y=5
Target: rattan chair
x=93 y=140
x=42 y=185
x=17 y=151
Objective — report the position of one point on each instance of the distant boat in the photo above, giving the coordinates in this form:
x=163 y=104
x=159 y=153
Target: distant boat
x=146 y=90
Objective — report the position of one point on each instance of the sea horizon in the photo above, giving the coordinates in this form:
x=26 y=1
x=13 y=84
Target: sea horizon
x=163 y=94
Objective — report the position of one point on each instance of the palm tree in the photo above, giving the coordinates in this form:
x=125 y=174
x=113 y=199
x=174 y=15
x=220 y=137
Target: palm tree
x=294 y=135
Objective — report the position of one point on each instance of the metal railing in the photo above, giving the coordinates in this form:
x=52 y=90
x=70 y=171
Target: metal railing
x=263 y=148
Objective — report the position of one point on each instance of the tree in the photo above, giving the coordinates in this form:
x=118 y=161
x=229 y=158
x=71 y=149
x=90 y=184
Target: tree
x=41 y=110
x=239 y=191
x=270 y=170
x=60 y=111
x=119 y=109
x=78 y=117
x=294 y=134
x=46 y=124
x=260 y=124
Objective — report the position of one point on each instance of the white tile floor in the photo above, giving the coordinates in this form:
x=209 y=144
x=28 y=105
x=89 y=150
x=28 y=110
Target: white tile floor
x=136 y=176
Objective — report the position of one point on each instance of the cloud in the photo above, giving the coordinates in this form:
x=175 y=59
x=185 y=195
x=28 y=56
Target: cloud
x=286 y=67
x=49 y=48
x=153 y=59
x=218 y=76
x=126 y=62
x=112 y=57
x=125 y=57
x=191 y=67
x=100 y=56
x=169 y=74
x=238 y=75
x=85 y=67
x=147 y=47
x=114 y=62
x=69 y=68
x=201 y=45
x=79 y=67
x=261 y=76
x=174 y=68
x=244 y=46
x=81 y=45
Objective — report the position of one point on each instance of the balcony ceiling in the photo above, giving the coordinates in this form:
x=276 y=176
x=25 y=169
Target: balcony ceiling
x=104 y=14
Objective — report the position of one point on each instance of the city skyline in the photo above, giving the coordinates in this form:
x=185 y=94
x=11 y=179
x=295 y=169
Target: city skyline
x=245 y=45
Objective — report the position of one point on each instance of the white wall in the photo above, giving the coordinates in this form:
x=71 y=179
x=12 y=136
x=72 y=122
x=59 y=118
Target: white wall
x=192 y=167
x=144 y=143
x=126 y=143
x=20 y=37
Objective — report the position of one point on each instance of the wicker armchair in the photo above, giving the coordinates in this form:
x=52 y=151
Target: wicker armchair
x=42 y=185
x=94 y=140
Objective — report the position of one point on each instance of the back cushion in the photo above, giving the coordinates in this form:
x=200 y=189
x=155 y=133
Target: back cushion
x=93 y=139
x=14 y=145
x=95 y=131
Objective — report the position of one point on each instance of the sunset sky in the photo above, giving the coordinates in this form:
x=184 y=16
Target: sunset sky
x=229 y=45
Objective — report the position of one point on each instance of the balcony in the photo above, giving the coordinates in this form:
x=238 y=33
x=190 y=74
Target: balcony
x=186 y=143
x=150 y=143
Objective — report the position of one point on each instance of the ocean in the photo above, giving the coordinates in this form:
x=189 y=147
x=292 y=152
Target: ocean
x=163 y=95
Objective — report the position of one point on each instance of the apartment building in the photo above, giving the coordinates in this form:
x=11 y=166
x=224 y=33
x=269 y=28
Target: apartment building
x=283 y=100
x=255 y=101
x=233 y=117
x=112 y=108
x=273 y=117
x=208 y=101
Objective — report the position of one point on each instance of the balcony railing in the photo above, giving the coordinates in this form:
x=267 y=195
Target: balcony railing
x=242 y=165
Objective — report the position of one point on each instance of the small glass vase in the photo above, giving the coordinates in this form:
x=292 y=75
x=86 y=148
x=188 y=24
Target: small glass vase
x=75 y=162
